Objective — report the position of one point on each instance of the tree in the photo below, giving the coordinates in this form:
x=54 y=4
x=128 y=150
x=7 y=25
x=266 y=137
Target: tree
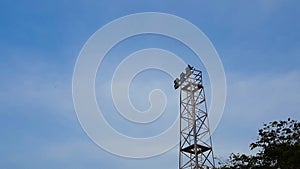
x=278 y=146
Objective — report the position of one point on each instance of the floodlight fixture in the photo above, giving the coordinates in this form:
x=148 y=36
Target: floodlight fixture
x=183 y=76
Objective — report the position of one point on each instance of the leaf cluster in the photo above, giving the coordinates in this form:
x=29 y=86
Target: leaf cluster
x=278 y=145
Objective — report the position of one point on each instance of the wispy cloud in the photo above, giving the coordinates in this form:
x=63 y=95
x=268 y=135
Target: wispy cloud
x=251 y=101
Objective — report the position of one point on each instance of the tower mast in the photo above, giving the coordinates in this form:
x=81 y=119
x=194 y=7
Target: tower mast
x=195 y=140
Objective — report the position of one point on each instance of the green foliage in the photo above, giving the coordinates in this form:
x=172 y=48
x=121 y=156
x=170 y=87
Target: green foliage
x=279 y=147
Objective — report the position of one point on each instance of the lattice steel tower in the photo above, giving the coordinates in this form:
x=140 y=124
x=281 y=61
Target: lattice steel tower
x=195 y=141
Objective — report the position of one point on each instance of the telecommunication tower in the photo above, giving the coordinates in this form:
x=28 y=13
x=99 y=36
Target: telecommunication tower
x=195 y=141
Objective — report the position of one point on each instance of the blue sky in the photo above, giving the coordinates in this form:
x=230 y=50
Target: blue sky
x=257 y=41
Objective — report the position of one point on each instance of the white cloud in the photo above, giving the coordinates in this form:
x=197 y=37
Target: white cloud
x=254 y=100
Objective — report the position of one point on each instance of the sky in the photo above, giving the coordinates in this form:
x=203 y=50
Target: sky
x=257 y=42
